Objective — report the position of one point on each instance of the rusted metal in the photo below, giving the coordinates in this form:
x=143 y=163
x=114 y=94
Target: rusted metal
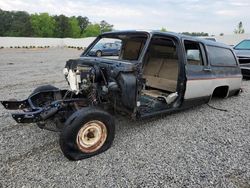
x=91 y=136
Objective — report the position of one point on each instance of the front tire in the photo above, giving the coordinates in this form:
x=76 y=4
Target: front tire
x=87 y=132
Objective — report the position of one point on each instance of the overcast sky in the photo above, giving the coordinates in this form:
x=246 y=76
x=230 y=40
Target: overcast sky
x=212 y=16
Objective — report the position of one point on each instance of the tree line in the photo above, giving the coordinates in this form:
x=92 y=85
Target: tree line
x=23 y=24
x=195 y=34
x=239 y=30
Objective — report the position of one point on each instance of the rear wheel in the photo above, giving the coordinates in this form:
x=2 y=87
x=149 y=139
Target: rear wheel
x=98 y=53
x=87 y=132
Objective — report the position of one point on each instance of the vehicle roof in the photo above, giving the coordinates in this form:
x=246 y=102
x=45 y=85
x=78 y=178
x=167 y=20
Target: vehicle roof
x=247 y=39
x=173 y=34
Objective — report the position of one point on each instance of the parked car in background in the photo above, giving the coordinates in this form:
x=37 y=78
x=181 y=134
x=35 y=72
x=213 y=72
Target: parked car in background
x=242 y=51
x=106 y=49
x=209 y=38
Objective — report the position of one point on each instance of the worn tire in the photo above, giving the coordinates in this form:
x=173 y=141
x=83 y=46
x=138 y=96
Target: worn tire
x=75 y=123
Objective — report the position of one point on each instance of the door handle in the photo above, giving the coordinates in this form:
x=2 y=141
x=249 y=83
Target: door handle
x=207 y=69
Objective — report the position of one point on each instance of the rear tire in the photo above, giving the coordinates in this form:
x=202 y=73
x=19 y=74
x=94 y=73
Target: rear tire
x=87 y=132
x=98 y=53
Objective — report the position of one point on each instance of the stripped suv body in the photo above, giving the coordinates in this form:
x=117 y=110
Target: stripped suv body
x=154 y=73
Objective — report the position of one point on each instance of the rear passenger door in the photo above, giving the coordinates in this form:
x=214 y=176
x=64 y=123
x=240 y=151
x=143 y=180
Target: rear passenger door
x=225 y=67
x=198 y=72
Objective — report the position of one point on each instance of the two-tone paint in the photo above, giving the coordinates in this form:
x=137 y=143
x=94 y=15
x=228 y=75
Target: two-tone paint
x=196 y=83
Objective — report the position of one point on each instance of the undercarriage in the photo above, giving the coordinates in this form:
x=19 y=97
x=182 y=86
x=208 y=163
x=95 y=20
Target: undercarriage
x=56 y=105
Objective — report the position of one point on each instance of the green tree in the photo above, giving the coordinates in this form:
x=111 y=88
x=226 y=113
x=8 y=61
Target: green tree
x=75 y=31
x=43 y=25
x=5 y=22
x=15 y=23
x=163 y=29
x=92 y=30
x=63 y=28
x=239 y=29
x=20 y=25
x=83 y=22
x=105 y=26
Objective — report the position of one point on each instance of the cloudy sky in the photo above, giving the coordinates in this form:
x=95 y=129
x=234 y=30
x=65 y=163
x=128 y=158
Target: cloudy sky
x=212 y=16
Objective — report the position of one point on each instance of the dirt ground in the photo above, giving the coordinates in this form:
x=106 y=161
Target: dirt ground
x=199 y=147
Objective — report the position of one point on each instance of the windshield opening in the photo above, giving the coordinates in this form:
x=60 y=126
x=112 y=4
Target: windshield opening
x=244 y=45
x=126 y=46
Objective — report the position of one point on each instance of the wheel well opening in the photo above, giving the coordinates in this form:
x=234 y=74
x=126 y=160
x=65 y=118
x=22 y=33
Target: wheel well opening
x=220 y=92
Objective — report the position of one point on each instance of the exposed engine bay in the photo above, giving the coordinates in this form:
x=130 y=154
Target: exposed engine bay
x=103 y=82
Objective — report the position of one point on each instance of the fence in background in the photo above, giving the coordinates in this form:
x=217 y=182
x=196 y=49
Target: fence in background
x=8 y=42
x=232 y=39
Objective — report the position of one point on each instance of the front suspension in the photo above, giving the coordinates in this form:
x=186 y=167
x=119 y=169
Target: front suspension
x=33 y=111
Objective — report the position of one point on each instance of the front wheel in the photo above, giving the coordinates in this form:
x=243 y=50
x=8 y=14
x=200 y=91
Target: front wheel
x=87 y=132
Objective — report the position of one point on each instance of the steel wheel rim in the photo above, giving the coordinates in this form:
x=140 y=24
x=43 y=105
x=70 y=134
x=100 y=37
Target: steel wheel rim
x=91 y=136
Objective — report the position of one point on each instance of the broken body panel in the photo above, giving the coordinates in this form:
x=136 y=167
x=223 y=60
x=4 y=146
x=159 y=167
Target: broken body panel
x=155 y=73
x=129 y=81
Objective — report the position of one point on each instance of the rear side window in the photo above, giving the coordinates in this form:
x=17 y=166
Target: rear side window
x=221 y=56
x=193 y=53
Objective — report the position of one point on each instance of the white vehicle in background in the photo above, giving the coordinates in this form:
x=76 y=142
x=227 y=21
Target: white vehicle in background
x=242 y=50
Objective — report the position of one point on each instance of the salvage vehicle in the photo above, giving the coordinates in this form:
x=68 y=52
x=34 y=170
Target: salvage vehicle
x=242 y=51
x=154 y=73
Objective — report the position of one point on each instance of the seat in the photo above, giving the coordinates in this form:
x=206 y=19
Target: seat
x=161 y=73
x=153 y=93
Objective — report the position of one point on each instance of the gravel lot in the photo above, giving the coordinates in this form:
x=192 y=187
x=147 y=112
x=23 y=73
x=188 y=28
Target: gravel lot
x=199 y=147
